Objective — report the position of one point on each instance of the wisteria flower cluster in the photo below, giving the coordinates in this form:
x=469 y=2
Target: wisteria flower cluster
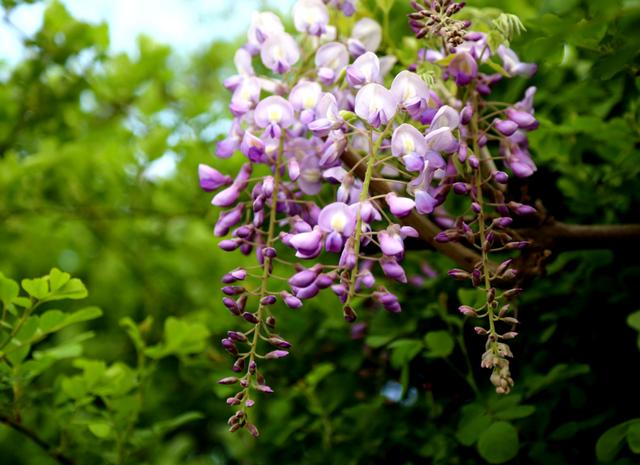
x=328 y=98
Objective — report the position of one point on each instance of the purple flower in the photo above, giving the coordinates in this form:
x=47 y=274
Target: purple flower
x=304 y=98
x=392 y=269
x=310 y=180
x=227 y=220
x=425 y=203
x=307 y=244
x=523 y=119
x=279 y=52
x=338 y=218
x=463 y=68
x=505 y=127
x=310 y=16
x=365 y=37
x=245 y=96
x=407 y=142
x=399 y=206
x=391 y=242
x=212 y=179
x=263 y=25
x=411 y=91
x=330 y=60
x=445 y=117
x=375 y=104
x=365 y=69
x=274 y=113
x=512 y=64
x=327 y=117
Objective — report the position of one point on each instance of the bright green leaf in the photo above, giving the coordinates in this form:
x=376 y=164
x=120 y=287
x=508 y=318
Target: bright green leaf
x=439 y=343
x=499 y=443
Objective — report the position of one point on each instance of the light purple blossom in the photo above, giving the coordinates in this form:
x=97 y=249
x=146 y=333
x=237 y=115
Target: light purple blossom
x=512 y=64
x=375 y=104
x=279 y=52
x=463 y=68
x=365 y=69
x=338 y=220
x=327 y=117
x=304 y=97
x=263 y=25
x=274 y=113
x=399 y=206
x=366 y=36
x=331 y=59
x=310 y=16
x=212 y=179
x=411 y=91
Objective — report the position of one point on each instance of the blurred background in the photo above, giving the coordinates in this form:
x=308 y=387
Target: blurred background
x=107 y=108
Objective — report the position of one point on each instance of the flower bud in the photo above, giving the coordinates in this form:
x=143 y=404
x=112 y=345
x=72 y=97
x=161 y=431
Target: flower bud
x=228 y=380
x=250 y=317
x=467 y=310
x=276 y=354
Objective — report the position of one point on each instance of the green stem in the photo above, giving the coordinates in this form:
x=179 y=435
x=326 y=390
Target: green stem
x=267 y=264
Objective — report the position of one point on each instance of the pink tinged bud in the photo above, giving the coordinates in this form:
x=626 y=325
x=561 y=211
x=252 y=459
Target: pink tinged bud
x=467 y=311
x=375 y=104
x=253 y=430
x=365 y=69
x=392 y=269
x=310 y=16
x=475 y=206
x=505 y=127
x=263 y=387
x=276 y=354
x=399 y=206
x=459 y=274
x=503 y=222
x=425 y=203
x=229 y=380
x=480 y=331
x=513 y=292
x=391 y=243
x=211 y=179
x=278 y=342
x=233 y=401
x=253 y=366
x=279 y=52
x=236 y=336
x=339 y=289
x=249 y=403
x=509 y=335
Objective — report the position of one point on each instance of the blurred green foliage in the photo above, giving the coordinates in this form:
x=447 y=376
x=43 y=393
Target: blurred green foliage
x=83 y=133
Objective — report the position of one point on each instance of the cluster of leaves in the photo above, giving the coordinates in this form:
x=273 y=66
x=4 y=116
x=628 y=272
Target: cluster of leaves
x=80 y=130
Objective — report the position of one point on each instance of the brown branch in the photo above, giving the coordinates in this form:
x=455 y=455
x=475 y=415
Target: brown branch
x=44 y=445
x=548 y=237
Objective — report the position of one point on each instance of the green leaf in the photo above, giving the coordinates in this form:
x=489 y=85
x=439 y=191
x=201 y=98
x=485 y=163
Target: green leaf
x=633 y=321
x=9 y=290
x=610 y=443
x=403 y=351
x=520 y=411
x=37 y=288
x=499 y=443
x=100 y=429
x=471 y=297
x=58 y=278
x=473 y=422
x=73 y=289
x=318 y=373
x=633 y=437
x=439 y=344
